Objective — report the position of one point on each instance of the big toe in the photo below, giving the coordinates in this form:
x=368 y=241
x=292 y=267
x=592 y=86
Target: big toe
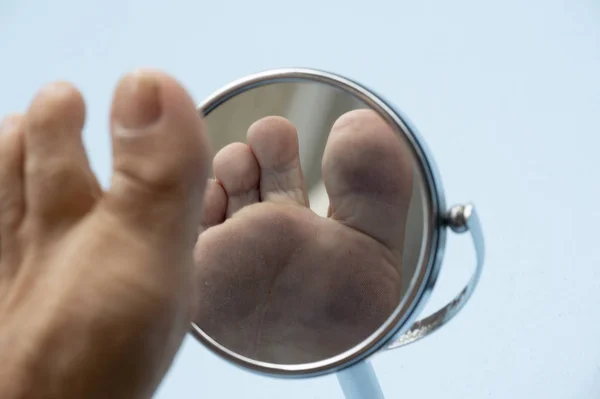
x=160 y=155
x=368 y=174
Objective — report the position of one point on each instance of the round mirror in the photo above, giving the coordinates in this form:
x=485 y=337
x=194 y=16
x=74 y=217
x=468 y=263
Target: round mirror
x=325 y=224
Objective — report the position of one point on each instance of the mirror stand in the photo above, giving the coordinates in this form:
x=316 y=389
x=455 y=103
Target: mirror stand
x=360 y=381
x=460 y=219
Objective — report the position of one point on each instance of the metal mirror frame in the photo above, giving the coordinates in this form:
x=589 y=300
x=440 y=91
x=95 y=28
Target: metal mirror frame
x=400 y=329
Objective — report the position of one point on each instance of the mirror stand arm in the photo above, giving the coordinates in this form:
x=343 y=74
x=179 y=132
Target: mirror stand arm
x=460 y=219
x=359 y=381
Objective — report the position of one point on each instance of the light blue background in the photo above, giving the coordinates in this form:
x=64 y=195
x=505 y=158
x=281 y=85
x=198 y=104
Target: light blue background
x=506 y=94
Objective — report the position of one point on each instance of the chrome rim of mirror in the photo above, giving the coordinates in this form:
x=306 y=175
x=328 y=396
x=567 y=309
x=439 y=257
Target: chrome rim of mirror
x=401 y=328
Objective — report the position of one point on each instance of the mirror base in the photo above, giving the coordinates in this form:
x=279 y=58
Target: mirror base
x=360 y=382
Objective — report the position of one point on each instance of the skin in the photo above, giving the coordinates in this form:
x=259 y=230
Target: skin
x=279 y=283
x=97 y=288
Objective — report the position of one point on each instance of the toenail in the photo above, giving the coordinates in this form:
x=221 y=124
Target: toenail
x=9 y=124
x=57 y=89
x=137 y=102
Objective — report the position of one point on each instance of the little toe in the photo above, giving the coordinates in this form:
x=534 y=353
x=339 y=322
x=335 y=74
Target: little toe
x=368 y=174
x=274 y=142
x=160 y=158
x=58 y=179
x=214 y=208
x=12 y=205
x=237 y=170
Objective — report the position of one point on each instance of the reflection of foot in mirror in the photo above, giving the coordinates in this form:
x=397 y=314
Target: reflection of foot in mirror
x=277 y=282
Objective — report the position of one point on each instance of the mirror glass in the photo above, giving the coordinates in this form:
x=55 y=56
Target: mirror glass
x=313 y=228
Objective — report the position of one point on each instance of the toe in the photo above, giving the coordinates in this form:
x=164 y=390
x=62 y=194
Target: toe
x=236 y=168
x=274 y=142
x=368 y=174
x=160 y=156
x=12 y=204
x=215 y=205
x=58 y=178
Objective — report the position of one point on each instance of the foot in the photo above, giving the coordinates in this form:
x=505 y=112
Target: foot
x=94 y=286
x=278 y=282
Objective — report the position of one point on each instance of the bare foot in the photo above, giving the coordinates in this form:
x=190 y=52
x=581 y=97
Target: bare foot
x=282 y=284
x=95 y=286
